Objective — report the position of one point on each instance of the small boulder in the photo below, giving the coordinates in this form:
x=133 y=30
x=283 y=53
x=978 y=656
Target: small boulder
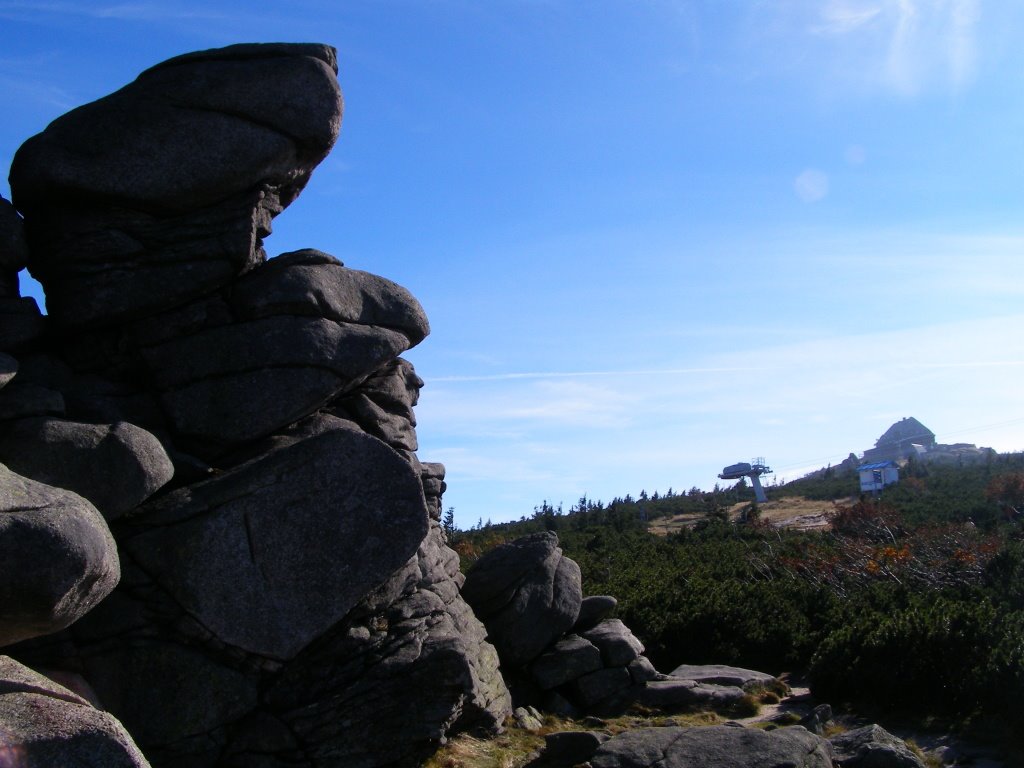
x=57 y=558
x=872 y=747
x=114 y=466
x=569 y=658
x=572 y=747
x=44 y=724
x=594 y=609
x=618 y=645
x=601 y=685
x=642 y=671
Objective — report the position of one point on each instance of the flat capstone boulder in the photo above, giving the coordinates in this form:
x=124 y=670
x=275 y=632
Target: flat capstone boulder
x=721 y=674
x=164 y=190
x=713 y=747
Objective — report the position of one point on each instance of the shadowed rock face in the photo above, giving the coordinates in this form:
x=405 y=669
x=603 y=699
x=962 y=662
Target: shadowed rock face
x=527 y=594
x=164 y=190
x=46 y=724
x=57 y=558
x=244 y=425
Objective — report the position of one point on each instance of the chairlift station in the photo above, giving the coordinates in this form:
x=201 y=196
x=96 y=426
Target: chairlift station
x=754 y=469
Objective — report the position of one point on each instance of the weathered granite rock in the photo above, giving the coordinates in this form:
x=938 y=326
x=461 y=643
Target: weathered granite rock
x=163 y=191
x=57 y=558
x=268 y=556
x=817 y=719
x=44 y=724
x=287 y=599
x=13 y=245
x=594 y=609
x=8 y=369
x=383 y=405
x=600 y=686
x=21 y=323
x=643 y=671
x=21 y=399
x=434 y=486
x=114 y=466
x=676 y=695
x=13 y=249
x=618 y=645
x=720 y=674
x=528 y=718
x=332 y=328
x=872 y=747
x=527 y=594
x=197 y=693
x=312 y=283
x=569 y=658
x=410 y=659
x=572 y=747
x=713 y=747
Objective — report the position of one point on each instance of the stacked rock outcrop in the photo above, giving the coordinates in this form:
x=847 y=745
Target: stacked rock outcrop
x=560 y=651
x=244 y=427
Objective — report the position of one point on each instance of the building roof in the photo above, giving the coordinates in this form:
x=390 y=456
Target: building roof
x=876 y=465
x=908 y=430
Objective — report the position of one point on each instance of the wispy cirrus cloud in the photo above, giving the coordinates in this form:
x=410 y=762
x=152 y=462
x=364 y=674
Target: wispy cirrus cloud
x=840 y=18
x=148 y=12
x=902 y=46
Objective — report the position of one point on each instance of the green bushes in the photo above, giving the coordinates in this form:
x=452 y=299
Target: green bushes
x=902 y=607
x=927 y=621
x=947 y=657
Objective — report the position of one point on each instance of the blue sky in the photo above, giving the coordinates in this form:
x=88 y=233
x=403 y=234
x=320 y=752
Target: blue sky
x=653 y=237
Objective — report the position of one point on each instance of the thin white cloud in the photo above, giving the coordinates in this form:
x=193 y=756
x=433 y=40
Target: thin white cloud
x=855 y=155
x=149 y=12
x=589 y=374
x=34 y=90
x=901 y=46
x=841 y=18
x=811 y=185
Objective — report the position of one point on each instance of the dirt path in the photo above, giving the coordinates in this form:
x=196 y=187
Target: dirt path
x=794 y=512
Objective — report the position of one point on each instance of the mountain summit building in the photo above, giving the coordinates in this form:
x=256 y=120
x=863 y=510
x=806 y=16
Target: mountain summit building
x=905 y=438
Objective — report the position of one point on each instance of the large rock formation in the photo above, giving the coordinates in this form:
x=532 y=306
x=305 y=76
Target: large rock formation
x=560 y=651
x=244 y=427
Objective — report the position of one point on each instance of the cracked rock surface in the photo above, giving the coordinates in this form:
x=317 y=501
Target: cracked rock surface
x=232 y=435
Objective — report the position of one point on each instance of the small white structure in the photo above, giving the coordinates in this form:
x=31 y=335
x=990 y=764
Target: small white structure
x=875 y=476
